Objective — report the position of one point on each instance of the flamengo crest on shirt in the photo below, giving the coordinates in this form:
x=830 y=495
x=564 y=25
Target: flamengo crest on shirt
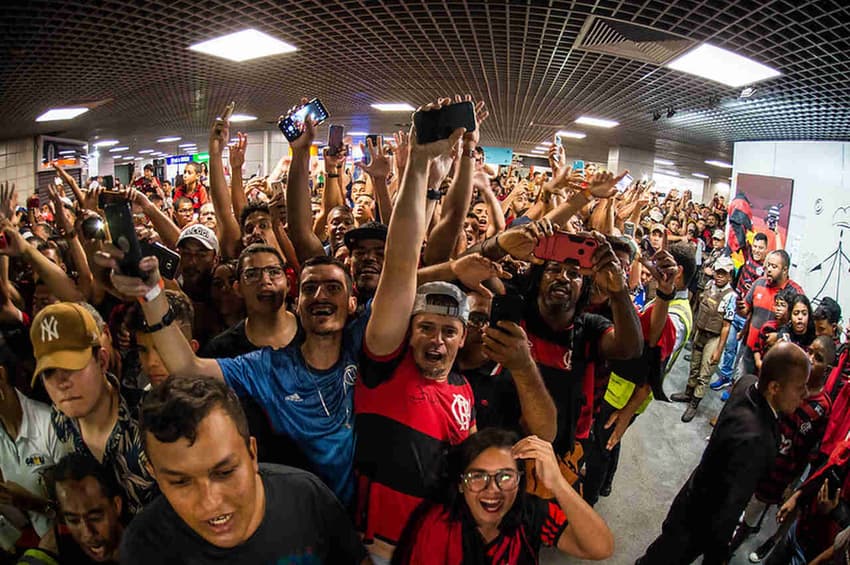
x=462 y=411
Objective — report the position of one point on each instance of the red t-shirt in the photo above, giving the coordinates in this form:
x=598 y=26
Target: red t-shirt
x=198 y=198
x=405 y=424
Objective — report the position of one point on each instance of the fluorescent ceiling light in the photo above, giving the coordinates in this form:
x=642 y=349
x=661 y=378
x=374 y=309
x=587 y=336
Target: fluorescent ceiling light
x=57 y=114
x=357 y=133
x=168 y=139
x=68 y=152
x=119 y=149
x=542 y=148
x=572 y=134
x=722 y=66
x=597 y=122
x=143 y=151
x=129 y=157
x=117 y=156
x=664 y=162
x=106 y=143
x=546 y=143
x=243 y=46
x=188 y=145
x=699 y=175
x=721 y=164
x=538 y=152
x=394 y=107
x=242 y=118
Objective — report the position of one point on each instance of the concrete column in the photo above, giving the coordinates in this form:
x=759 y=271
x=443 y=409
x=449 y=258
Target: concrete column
x=638 y=161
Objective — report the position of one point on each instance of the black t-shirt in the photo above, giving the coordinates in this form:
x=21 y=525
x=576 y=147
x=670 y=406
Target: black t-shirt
x=303 y=523
x=232 y=342
x=496 y=398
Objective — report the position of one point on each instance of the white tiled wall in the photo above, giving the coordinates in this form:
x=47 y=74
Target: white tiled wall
x=17 y=165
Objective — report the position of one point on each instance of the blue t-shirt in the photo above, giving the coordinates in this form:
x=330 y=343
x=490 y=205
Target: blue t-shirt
x=314 y=408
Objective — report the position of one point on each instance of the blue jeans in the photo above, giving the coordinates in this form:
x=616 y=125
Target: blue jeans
x=727 y=363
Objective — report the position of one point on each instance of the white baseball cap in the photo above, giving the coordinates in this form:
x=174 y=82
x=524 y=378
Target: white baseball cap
x=201 y=233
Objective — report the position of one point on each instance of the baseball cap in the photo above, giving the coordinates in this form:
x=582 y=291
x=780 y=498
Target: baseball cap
x=441 y=298
x=656 y=215
x=658 y=227
x=724 y=263
x=201 y=233
x=718 y=234
x=369 y=230
x=62 y=336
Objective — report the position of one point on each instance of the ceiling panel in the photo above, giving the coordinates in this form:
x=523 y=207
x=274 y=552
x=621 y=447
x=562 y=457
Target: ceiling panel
x=132 y=59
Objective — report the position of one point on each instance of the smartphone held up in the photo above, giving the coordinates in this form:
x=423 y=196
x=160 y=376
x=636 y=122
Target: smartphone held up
x=292 y=124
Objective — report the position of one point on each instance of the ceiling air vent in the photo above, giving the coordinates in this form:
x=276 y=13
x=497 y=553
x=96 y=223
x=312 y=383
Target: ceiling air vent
x=631 y=41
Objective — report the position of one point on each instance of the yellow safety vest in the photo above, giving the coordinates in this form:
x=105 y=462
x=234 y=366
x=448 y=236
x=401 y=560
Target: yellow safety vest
x=620 y=390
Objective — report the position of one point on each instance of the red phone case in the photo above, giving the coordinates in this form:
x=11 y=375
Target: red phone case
x=564 y=246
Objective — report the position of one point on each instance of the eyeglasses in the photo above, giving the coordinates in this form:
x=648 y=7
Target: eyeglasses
x=506 y=480
x=254 y=275
x=478 y=319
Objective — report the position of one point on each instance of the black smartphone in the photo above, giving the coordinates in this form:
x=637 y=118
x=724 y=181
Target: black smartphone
x=290 y=125
x=439 y=124
x=335 y=135
x=122 y=232
x=509 y=307
x=108 y=197
x=376 y=141
x=169 y=261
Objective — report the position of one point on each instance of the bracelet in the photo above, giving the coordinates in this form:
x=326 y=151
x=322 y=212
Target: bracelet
x=152 y=293
x=332 y=176
x=471 y=153
x=664 y=296
x=166 y=321
x=434 y=194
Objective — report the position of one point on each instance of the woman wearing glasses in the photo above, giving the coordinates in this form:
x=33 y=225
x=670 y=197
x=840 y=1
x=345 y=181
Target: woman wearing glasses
x=486 y=517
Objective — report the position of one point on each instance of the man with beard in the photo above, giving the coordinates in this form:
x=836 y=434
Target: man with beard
x=759 y=303
x=90 y=505
x=305 y=388
x=366 y=257
x=198 y=248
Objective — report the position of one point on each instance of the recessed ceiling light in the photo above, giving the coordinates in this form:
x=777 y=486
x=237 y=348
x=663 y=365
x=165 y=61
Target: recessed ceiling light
x=597 y=122
x=243 y=46
x=119 y=149
x=664 y=162
x=394 y=107
x=357 y=133
x=699 y=175
x=546 y=143
x=69 y=152
x=168 y=139
x=117 y=156
x=242 y=118
x=129 y=157
x=538 y=152
x=188 y=145
x=722 y=66
x=721 y=164
x=572 y=134
x=57 y=114
x=542 y=148
x=143 y=151
x=106 y=143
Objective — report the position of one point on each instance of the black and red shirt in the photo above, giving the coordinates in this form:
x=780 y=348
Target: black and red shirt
x=799 y=435
x=747 y=275
x=437 y=538
x=404 y=425
x=567 y=362
x=760 y=301
x=496 y=398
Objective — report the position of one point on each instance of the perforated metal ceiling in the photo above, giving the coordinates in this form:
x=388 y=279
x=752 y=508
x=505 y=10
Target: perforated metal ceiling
x=519 y=56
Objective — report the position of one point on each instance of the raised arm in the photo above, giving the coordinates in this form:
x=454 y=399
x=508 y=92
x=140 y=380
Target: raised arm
x=76 y=252
x=221 y=199
x=378 y=170
x=332 y=195
x=78 y=194
x=497 y=217
x=442 y=238
x=237 y=186
x=167 y=230
x=396 y=291
x=300 y=215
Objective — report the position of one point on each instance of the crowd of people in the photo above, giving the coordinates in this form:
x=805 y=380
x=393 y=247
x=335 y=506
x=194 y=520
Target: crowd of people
x=373 y=361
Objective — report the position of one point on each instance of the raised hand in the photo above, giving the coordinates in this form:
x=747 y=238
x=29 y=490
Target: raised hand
x=603 y=185
x=545 y=462
x=437 y=148
x=401 y=151
x=565 y=179
x=556 y=156
x=15 y=244
x=379 y=163
x=508 y=346
x=607 y=269
x=474 y=269
x=519 y=243
x=220 y=133
x=8 y=200
x=308 y=130
x=63 y=222
x=336 y=161
x=237 y=151
x=481 y=114
x=664 y=269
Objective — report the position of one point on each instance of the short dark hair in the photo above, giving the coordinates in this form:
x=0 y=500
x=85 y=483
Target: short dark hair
x=77 y=466
x=341 y=208
x=829 y=310
x=251 y=208
x=324 y=260
x=182 y=200
x=195 y=165
x=621 y=244
x=148 y=167
x=786 y=295
x=683 y=253
x=253 y=249
x=760 y=237
x=175 y=408
x=778 y=364
x=786 y=259
x=828 y=346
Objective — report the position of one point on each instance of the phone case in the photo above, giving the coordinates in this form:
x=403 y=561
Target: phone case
x=119 y=217
x=564 y=246
x=508 y=307
x=439 y=124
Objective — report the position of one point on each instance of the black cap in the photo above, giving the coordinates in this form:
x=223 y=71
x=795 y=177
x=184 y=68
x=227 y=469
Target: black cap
x=369 y=230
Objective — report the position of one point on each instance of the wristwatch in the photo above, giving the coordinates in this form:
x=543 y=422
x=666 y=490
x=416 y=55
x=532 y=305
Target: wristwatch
x=434 y=194
x=166 y=321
